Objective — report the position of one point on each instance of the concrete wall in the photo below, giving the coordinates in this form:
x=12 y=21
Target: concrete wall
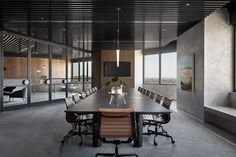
x=192 y=41
x=219 y=70
x=212 y=43
x=218 y=59
x=164 y=90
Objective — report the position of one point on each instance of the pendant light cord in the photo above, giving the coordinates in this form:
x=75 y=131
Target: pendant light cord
x=118 y=28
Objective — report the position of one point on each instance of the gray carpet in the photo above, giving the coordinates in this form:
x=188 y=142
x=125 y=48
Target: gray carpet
x=36 y=132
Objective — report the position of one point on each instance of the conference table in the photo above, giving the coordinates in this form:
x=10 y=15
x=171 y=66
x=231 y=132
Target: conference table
x=130 y=99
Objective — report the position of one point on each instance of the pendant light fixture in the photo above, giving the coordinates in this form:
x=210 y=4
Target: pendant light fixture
x=118 y=38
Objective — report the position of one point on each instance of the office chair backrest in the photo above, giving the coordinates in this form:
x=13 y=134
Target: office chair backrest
x=167 y=102
x=9 y=88
x=148 y=93
x=139 y=89
x=116 y=123
x=71 y=117
x=83 y=95
x=152 y=95
x=87 y=92
x=144 y=91
x=158 y=98
x=69 y=102
x=76 y=98
x=91 y=91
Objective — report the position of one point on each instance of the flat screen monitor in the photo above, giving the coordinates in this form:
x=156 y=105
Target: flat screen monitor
x=111 y=69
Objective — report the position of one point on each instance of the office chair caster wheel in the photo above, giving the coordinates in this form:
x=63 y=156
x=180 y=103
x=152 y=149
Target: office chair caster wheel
x=155 y=143
x=80 y=143
x=172 y=141
x=62 y=141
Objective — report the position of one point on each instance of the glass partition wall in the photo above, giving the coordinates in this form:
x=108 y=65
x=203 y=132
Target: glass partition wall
x=58 y=61
x=35 y=71
x=15 y=60
x=39 y=72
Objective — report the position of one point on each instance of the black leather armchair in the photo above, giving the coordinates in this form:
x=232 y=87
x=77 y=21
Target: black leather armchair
x=18 y=94
x=8 y=90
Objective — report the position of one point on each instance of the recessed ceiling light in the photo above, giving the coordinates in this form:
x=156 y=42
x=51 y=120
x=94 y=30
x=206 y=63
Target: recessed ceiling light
x=187 y=4
x=42 y=18
x=163 y=30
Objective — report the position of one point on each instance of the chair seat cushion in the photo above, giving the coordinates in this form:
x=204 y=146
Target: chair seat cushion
x=147 y=117
x=158 y=118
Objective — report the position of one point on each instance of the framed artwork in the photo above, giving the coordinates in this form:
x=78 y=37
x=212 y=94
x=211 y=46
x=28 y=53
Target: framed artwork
x=187 y=72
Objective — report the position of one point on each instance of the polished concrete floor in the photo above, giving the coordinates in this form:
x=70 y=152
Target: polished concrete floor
x=37 y=131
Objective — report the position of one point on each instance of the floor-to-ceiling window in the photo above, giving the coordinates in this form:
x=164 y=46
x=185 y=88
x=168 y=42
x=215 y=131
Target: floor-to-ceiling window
x=160 y=68
x=81 y=71
x=168 y=68
x=74 y=83
x=151 y=69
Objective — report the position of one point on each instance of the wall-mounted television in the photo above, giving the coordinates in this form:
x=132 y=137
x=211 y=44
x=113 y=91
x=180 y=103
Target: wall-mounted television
x=111 y=70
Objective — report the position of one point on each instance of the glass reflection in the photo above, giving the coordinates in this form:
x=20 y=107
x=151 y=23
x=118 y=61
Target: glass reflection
x=58 y=73
x=40 y=72
x=14 y=54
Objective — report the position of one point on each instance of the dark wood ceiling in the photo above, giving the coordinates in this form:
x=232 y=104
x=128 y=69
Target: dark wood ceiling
x=143 y=23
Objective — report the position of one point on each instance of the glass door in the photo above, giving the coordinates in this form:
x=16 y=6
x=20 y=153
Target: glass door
x=39 y=72
x=59 y=81
x=15 y=61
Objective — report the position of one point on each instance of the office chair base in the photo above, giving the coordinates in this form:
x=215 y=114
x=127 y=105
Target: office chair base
x=70 y=134
x=116 y=154
x=156 y=133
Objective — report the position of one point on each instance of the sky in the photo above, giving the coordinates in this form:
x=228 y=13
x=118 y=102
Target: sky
x=169 y=65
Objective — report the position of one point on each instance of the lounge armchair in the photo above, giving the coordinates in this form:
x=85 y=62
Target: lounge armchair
x=18 y=94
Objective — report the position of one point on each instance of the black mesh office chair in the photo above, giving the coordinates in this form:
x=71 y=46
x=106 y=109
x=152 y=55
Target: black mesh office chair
x=148 y=93
x=83 y=95
x=93 y=89
x=158 y=121
x=90 y=91
x=76 y=121
x=87 y=92
x=116 y=124
x=139 y=89
x=88 y=118
x=152 y=95
x=158 y=98
x=144 y=91
x=76 y=98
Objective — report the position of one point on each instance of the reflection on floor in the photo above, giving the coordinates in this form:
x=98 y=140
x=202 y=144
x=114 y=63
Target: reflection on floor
x=35 y=97
x=37 y=131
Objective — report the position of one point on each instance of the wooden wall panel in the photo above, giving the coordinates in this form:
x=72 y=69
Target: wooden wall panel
x=15 y=67
x=58 y=68
x=125 y=56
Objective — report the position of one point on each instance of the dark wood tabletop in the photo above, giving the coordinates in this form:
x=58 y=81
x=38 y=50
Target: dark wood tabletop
x=131 y=99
